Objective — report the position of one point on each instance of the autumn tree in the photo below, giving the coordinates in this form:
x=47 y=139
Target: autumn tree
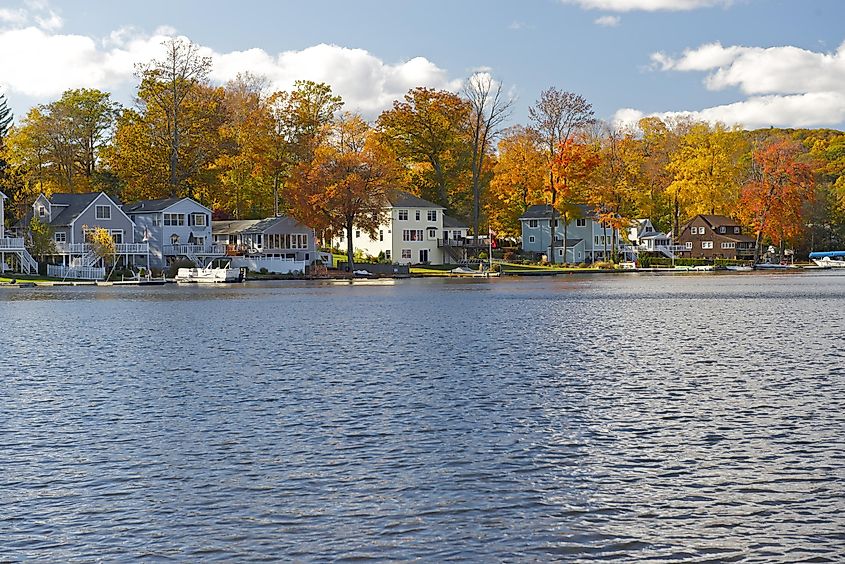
x=428 y=131
x=40 y=241
x=773 y=197
x=557 y=116
x=489 y=108
x=575 y=162
x=299 y=120
x=142 y=151
x=345 y=185
x=244 y=165
x=518 y=181
x=6 y=118
x=169 y=89
x=616 y=183
x=658 y=142
x=707 y=171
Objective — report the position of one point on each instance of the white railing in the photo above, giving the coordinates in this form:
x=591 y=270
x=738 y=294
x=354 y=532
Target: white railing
x=120 y=248
x=187 y=250
x=78 y=272
x=11 y=243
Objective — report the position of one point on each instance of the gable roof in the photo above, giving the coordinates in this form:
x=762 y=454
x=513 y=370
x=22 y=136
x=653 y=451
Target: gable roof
x=150 y=206
x=403 y=199
x=71 y=205
x=713 y=221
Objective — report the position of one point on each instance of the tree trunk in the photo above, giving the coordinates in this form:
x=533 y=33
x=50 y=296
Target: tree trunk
x=349 y=249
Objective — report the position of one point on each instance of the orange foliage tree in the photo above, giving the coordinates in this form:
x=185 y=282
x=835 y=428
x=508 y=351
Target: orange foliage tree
x=773 y=198
x=574 y=163
x=345 y=185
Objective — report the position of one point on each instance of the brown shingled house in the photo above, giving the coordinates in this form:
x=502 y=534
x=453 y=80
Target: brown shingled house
x=715 y=236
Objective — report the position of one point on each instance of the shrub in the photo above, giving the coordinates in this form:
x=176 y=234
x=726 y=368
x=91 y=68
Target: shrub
x=482 y=255
x=604 y=265
x=263 y=270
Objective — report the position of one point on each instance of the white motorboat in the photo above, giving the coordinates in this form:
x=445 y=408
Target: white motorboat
x=832 y=259
x=738 y=268
x=774 y=266
x=210 y=274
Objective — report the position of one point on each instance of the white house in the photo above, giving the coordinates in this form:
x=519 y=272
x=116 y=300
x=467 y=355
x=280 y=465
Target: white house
x=174 y=228
x=644 y=237
x=587 y=239
x=415 y=231
x=71 y=217
x=279 y=244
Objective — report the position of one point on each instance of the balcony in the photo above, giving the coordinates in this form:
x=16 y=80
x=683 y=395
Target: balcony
x=120 y=248
x=11 y=244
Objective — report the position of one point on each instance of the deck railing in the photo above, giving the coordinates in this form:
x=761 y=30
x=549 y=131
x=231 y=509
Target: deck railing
x=120 y=248
x=188 y=250
x=78 y=272
x=11 y=243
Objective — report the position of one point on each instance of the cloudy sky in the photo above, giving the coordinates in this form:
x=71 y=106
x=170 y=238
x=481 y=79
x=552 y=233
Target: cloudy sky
x=758 y=63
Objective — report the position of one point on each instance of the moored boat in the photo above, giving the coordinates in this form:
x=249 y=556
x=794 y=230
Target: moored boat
x=830 y=259
x=210 y=274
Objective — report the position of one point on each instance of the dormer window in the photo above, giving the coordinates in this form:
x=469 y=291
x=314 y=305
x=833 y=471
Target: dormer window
x=722 y=229
x=103 y=212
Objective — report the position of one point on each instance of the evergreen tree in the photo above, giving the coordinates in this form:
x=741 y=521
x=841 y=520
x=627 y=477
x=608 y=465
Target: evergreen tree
x=5 y=118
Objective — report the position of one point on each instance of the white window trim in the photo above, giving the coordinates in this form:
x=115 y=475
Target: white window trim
x=106 y=208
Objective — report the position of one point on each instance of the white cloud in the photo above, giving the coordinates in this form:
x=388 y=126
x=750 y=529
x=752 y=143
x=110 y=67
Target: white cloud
x=48 y=63
x=646 y=5
x=787 y=86
x=10 y=16
x=517 y=25
x=608 y=21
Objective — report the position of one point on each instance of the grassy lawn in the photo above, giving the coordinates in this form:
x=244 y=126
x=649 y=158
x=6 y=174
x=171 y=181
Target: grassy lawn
x=5 y=279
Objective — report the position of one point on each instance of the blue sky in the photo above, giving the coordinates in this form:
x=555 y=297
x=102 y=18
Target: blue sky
x=754 y=62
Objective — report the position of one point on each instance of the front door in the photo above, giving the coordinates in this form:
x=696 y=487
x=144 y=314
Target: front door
x=423 y=255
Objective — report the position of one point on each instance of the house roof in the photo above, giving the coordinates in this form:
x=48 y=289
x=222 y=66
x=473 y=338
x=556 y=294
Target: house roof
x=150 y=206
x=403 y=199
x=72 y=205
x=713 y=221
x=544 y=211
x=453 y=222
x=232 y=227
x=283 y=220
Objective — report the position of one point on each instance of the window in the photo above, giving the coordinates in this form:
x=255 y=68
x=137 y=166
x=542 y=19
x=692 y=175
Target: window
x=357 y=233
x=406 y=253
x=722 y=229
x=117 y=236
x=728 y=245
x=198 y=219
x=412 y=235
x=156 y=221
x=403 y=215
x=381 y=235
x=531 y=239
x=61 y=237
x=707 y=244
x=432 y=233
x=688 y=245
x=42 y=211
x=580 y=223
x=174 y=219
x=432 y=215
x=597 y=240
x=103 y=212
x=387 y=254
x=532 y=223
x=417 y=215
x=736 y=229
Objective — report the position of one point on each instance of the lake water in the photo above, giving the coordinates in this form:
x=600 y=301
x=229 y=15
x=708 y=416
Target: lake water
x=688 y=418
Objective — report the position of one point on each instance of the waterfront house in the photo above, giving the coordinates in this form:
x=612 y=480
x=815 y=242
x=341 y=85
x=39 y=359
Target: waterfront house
x=174 y=228
x=413 y=232
x=715 y=236
x=13 y=253
x=280 y=244
x=587 y=239
x=644 y=237
x=71 y=217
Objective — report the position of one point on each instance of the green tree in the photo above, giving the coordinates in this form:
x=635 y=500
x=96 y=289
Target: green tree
x=40 y=241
